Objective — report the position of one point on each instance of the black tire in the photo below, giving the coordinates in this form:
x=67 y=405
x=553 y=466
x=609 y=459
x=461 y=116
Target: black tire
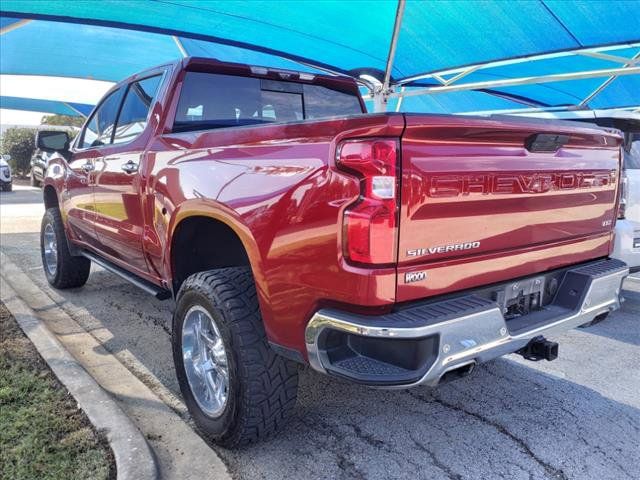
x=7 y=187
x=70 y=271
x=263 y=385
x=33 y=181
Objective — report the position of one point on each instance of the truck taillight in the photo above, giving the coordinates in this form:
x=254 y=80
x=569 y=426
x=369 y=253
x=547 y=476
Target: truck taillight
x=622 y=204
x=370 y=224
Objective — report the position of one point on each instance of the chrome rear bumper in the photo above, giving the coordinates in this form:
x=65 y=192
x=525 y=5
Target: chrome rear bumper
x=447 y=335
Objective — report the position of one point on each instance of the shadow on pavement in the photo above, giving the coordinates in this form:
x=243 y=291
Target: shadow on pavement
x=625 y=326
x=508 y=421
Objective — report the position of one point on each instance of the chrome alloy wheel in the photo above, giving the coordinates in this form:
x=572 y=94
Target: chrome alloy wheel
x=205 y=361
x=50 y=246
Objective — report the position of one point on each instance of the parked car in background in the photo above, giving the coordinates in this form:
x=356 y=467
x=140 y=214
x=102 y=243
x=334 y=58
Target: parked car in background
x=288 y=225
x=40 y=159
x=6 y=182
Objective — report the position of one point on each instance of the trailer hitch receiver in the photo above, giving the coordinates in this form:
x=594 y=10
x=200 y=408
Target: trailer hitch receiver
x=539 y=348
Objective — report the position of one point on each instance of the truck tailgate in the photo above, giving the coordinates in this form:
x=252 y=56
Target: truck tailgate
x=486 y=199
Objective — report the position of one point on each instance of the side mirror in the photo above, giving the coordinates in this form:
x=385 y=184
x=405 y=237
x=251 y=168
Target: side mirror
x=52 y=141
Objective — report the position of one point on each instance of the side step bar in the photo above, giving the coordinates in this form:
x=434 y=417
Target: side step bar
x=141 y=283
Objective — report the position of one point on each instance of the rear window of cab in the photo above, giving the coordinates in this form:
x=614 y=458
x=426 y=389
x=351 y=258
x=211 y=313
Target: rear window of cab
x=211 y=100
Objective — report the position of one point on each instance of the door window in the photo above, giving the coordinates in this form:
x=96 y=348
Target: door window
x=135 y=109
x=99 y=130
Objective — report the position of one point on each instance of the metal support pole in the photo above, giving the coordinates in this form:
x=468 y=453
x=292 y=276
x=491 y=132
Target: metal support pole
x=14 y=26
x=399 y=103
x=178 y=43
x=80 y=114
x=379 y=101
x=381 y=96
x=510 y=82
x=608 y=81
x=596 y=52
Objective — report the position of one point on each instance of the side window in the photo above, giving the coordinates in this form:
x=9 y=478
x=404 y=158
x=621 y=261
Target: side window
x=135 y=109
x=99 y=129
x=322 y=102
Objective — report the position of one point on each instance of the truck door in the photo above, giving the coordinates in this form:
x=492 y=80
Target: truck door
x=95 y=137
x=119 y=219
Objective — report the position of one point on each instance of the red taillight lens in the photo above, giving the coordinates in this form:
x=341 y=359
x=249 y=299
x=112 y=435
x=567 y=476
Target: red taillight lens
x=622 y=203
x=370 y=224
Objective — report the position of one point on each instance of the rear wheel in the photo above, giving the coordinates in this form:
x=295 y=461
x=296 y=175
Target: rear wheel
x=61 y=268
x=237 y=389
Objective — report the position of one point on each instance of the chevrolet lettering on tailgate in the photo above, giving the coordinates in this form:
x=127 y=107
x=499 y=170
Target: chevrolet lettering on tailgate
x=455 y=185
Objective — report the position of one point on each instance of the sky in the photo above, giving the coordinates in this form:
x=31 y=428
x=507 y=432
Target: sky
x=18 y=117
x=47 y=88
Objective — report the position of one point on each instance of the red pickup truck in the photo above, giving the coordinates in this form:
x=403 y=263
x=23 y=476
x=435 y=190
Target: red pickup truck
x=289 y=226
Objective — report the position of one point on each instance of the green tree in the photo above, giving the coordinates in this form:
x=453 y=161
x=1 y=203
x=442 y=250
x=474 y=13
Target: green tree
x=20 y=144
x=64 y=120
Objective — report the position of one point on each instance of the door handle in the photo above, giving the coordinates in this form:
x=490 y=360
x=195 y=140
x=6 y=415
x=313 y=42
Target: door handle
x=88 y=167
x=129 y=167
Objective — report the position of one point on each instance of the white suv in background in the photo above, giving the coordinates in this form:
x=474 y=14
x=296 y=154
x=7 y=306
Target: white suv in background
x=627 y=242
x=6 y=183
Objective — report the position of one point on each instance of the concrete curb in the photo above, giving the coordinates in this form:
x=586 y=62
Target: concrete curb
x=179 y=451
x=134 y=458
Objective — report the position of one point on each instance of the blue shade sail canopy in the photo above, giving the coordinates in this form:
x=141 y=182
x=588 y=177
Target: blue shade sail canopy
x=46 y=106
x=82 y=51
x=102 y=53
x=350 y=35
x=437 y=41
x=622 y=91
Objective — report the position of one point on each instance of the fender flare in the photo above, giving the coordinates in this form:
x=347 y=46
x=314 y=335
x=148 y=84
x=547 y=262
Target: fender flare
x=223 y=214
x=54 y=177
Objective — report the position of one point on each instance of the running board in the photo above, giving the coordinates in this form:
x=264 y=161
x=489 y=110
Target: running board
x=141 y=283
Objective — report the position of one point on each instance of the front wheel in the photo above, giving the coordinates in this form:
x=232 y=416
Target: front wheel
x=237 y=389
x=61 y=268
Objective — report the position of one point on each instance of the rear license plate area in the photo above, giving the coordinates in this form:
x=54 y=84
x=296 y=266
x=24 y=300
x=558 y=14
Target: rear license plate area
x=521 y=297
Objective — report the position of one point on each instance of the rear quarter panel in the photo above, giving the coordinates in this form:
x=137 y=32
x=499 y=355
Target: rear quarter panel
x=275 y=186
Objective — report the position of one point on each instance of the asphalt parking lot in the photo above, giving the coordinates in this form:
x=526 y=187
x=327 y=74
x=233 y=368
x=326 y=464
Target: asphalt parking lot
x=575 y=418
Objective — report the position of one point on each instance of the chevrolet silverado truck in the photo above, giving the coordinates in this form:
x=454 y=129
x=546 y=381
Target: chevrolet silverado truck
x=288 y=226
